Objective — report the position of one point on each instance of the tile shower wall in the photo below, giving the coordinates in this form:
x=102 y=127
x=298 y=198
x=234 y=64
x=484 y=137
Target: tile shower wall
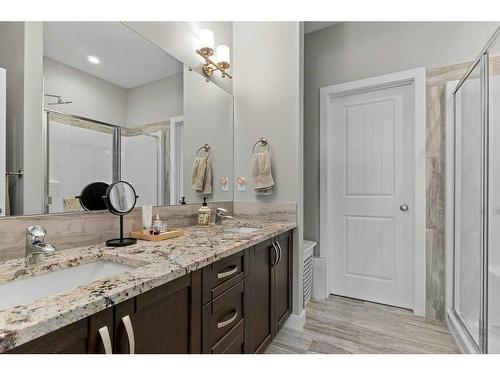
x=436 y=184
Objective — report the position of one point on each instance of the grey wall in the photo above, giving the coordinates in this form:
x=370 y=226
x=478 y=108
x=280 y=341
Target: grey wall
x=267 y=95
x=33 y=178
x=21 y=46
x=208 y=118
x=92 y=97
x=156 y=101
x=11 y=57
x=180 y=39
x=354 y=50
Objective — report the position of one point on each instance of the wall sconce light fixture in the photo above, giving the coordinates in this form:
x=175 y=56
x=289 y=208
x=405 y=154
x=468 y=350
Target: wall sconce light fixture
x=206 y=50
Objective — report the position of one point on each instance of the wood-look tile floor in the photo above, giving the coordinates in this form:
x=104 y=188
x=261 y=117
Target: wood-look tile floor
x=340 y=325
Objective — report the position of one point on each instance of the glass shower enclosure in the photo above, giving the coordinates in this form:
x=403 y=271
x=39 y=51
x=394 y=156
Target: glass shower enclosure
x=475 y=264
x=100 y=152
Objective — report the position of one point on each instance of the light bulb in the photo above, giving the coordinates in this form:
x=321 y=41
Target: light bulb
x=222 y=55
x=206 y=39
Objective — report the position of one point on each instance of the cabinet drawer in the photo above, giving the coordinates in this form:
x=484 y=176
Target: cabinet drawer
x=232 y=342
x=222 y=314
x=224 y=274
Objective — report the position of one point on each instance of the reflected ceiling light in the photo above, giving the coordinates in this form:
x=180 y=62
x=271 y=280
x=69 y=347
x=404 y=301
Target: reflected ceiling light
x=93 y=59
x=206 y=50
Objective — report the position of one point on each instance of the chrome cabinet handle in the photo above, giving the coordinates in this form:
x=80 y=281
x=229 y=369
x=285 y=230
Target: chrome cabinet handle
x=232 y=271
x=229 y=321
x=275 y=254
x=281 y=251
x=404 y=207
x=106 y=340
x=130 y=333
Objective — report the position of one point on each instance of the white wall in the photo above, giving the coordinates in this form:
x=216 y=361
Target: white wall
x=208 y=118
x=267 y=94
x=92 y=97
x=354 y=50
x=180 y=39
x=155 y=102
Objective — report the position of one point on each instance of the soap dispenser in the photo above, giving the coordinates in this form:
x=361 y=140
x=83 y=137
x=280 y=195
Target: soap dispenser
x=204 y=214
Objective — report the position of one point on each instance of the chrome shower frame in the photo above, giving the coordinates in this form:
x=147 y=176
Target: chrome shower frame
x=116 y=132
x=482 y=60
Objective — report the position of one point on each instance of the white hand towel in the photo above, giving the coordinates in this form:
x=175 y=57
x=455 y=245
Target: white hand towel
x=262 y=171
x=207 y=178
x=198 y=173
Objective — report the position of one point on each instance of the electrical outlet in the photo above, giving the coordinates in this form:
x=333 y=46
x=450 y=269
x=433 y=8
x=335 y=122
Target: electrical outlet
x=242 y=183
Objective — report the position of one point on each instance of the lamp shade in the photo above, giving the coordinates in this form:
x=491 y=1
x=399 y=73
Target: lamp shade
x=206 y=39
x=222 y=54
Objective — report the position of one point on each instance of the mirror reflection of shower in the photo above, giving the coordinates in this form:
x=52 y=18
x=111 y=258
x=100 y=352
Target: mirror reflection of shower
x=59 y=99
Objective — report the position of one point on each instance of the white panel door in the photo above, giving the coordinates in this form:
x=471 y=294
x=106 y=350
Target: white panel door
x=370 y=138
x=3 y=145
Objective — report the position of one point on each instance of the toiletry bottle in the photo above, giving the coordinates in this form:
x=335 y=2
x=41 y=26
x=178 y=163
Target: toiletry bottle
x=157 y=224
x=204 y=214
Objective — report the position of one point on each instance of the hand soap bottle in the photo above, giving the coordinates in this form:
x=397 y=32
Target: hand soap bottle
x=204 y=214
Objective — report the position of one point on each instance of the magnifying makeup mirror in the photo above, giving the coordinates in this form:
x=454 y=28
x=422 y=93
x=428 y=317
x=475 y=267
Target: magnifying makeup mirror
x=120 y=199
x=91 y=196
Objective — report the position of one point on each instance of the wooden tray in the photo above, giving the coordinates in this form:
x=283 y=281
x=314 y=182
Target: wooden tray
x=144 y=235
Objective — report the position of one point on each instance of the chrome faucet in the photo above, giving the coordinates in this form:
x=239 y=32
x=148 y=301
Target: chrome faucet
x=219 y=216
x=36 y=247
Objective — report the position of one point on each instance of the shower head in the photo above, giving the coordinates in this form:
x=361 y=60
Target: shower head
x=59 y=100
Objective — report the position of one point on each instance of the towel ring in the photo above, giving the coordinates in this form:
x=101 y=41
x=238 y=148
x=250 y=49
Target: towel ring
x=206 y=148
x=263 y=142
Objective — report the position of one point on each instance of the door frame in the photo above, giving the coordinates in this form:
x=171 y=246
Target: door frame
x=417 y=78
x=176 y=159
x=3 y=144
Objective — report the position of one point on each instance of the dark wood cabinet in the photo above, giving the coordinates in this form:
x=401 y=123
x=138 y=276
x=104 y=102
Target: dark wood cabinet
x=283 y=280
x=263 y=257
x=235 y=305
x=271 y=290
x=81 y=337
x=164 y=320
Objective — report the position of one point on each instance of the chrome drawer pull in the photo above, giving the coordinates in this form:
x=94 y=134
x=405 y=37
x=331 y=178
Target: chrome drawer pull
x=275 y=255
x=229 y=321
x=106 y=340
x=281 y=251
x=130 y=333
x=232 y=271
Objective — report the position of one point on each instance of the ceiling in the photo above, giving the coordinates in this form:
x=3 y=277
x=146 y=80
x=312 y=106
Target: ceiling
x=310 y=27
x=126 y=58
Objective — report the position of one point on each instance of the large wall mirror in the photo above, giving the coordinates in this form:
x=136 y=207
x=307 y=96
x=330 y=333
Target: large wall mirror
x=83 y=102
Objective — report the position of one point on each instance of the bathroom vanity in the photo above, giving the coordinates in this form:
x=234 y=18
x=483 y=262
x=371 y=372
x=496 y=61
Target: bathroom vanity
x=216 y=290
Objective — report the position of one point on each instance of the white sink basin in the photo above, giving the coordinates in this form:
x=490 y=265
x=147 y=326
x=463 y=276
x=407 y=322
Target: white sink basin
x=243 y=229
x=30 y=289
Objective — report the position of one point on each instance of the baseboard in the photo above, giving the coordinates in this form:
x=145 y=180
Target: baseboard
x=296 y=322
x=319 y=279
x=455 y=328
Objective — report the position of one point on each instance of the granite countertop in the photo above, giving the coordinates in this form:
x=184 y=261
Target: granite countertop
x=157 y=263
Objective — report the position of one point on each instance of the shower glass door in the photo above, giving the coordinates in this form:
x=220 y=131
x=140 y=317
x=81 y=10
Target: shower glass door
x=469 y=176
x=494 y=199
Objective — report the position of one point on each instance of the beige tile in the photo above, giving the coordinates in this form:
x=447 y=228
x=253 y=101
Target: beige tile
x=69 y=230
x=342 y=325
x=435 y=143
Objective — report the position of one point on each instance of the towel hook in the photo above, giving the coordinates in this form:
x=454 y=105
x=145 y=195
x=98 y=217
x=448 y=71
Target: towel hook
x=206 y=148
x=19 y=173
x=262 y=142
